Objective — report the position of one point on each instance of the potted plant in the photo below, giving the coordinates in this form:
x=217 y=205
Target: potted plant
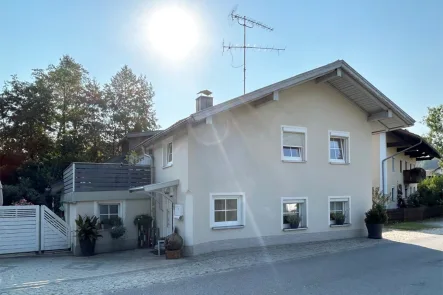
x=332 y=217
x=173 y=245
x=87 y=233
x=117 y=228
x=294 y=220
x=339 y=218
x=375 y=218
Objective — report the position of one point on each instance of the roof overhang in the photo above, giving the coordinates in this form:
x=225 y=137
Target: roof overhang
x=405 y=139
x=343 y=78
x=380 y=110
x=155 y=186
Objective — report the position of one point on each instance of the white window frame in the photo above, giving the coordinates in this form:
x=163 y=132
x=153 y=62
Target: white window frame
x=346 y=148
x=165 y=152
x=303 y=200
x=121 y=207
x=241 y=205
x=340 y=199
x=303 y=150
x=393 y=164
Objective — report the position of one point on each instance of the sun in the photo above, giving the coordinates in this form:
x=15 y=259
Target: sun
x=172 y=31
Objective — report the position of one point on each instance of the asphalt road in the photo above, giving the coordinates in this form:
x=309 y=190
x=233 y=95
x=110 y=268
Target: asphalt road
x=402 y=269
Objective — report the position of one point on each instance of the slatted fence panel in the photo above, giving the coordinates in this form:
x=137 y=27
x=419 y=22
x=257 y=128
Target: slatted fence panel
x=19 y=229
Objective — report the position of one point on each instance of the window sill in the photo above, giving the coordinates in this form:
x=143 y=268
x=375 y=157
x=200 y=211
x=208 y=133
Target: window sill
x=167 y=166
x=292 y=161
x=295 y=229
x=227 y=227
x=338 y=163
x=343 y=225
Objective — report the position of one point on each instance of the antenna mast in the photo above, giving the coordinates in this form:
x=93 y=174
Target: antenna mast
x=249 y=23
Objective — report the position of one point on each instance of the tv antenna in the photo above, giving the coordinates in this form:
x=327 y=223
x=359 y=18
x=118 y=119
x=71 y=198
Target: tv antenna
x=248 y=23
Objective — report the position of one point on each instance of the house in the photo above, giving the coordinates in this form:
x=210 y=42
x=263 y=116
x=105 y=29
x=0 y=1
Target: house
x=395 y=168
x=229 y=175
x=432 y=167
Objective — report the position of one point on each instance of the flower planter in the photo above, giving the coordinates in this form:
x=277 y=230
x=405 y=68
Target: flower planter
x=294 y=225
x=87 y=247
x=339 y=222
x=375 y=231
x=173 y=254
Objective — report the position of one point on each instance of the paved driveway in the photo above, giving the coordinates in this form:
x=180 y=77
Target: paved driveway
x=126 y=270
x=396 y=268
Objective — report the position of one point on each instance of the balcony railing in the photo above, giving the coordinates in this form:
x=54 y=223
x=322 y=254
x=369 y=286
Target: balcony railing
x=89 y=177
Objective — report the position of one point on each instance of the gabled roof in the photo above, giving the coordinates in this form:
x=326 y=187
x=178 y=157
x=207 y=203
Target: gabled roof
x=338 y=75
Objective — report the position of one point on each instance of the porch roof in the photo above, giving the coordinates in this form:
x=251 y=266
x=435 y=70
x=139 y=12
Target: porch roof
x=155 y=186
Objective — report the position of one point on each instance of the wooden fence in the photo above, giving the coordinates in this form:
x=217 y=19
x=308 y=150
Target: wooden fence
x=87 y=177
x=414 y=214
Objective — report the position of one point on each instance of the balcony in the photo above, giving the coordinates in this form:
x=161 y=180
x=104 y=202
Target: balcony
x=415 y=175
x=92 y=177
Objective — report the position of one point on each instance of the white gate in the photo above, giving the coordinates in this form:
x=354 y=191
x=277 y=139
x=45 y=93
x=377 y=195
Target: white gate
x=31 y=228
x=19 y=229
x=55 y=233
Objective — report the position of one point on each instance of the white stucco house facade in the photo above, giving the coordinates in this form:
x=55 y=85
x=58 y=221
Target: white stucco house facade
x=228 y=175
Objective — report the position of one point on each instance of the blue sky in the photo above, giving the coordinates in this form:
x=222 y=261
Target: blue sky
x=396 y=45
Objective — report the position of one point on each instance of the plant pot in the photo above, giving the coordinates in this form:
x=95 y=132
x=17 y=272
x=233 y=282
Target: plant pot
x=294 y=225
x=375 y=231
x=173 y=254
x=87 y=247
x=339 y=222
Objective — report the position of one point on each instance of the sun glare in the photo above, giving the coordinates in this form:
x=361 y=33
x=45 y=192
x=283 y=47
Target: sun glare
x=172 y=31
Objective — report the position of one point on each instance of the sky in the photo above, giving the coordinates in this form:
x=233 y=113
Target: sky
x=396 y=45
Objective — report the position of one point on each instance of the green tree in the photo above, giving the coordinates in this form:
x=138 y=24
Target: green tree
x=434 y=121
x=129 y=105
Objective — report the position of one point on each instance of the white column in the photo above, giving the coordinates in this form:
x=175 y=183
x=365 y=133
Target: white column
x=383 y=155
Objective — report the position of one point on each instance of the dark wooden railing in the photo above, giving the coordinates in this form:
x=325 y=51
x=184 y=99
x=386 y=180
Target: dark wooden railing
x=88 y=177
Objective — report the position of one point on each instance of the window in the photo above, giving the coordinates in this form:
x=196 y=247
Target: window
x=341 y=205
x=401 y=166
x=393 y=164
x=406 y=165
x=339 y=147
x=108 y=212
x=392 y=193
x=167 y=153
x=293 y=144
x=294 y=206
x=227 y=210
x=410 y=166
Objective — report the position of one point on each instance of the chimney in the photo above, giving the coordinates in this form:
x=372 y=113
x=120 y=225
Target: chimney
x=204 y=100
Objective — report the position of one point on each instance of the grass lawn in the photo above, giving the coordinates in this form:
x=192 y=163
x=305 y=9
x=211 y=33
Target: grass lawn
x=411 y=225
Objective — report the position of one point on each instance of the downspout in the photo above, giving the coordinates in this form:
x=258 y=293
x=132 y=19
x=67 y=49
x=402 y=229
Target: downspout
x=384 y=160
x=153 y=206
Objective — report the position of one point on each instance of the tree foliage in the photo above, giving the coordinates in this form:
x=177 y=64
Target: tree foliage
x=434 y=121
x=63 y=115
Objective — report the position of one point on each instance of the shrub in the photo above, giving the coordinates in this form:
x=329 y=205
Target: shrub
x=379 y=198
x=414 y=200
x=431 y=191
x=117 y=231
x=174 y=241
x=376 y=215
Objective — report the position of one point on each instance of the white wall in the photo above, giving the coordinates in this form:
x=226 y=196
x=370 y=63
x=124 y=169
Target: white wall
x=178 y=170
x=241 y=152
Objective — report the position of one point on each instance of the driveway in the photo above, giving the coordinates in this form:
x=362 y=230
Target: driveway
x=395 y=268
x=124 y=271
